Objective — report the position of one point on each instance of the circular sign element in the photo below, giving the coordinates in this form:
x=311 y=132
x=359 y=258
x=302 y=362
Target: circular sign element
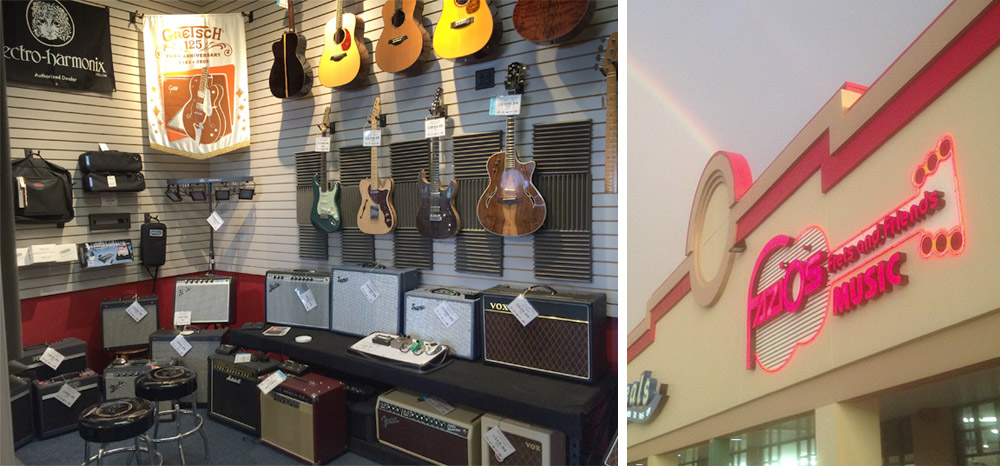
x=49 y=22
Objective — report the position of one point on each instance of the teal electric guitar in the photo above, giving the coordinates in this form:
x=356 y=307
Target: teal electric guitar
x=325 y=213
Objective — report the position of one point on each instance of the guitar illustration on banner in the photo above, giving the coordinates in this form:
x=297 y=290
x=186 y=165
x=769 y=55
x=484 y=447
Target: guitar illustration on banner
x=465 y=28
x=377 y=215
x=436 y=216
x=291 y=75
x=403 y=41
x=609 y=67
x=202 y=116
x=325 y=214
x=345 y=59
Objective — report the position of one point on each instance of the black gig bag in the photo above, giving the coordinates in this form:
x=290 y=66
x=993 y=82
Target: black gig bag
x=110 y=161
x=48 y=191
x=124 y=183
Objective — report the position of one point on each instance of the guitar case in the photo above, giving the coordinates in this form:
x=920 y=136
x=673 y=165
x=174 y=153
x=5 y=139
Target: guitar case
x=123 y=182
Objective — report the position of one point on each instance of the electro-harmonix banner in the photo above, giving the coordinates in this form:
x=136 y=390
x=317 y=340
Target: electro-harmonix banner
x=60 y=44
x=196 y=84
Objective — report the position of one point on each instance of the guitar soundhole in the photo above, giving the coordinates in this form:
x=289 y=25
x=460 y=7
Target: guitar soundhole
x=397 y=18
x=338 y=37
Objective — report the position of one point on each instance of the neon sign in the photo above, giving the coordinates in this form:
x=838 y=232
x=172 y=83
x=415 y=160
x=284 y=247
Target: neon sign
x=645 y=398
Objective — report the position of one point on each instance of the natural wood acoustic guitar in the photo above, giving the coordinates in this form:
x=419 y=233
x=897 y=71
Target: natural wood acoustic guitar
x=403 y=41
x=552 y=21
x=345 y=58
x=436 y=216
x=377 y=215
x=465 y=28
x=291 y=76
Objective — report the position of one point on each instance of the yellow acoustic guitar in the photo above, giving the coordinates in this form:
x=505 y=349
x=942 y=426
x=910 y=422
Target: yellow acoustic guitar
x=345 y=59
x=377 y=215
x=465 y=28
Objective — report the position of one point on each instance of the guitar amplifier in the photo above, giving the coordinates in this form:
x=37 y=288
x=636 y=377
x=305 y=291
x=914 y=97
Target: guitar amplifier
x=52 y=417
x=448 y=316
x=210 y=299
x=74 y=350
x=119 y=379
x=119 y=330
x=368 y=299
x=203 y=344
x=567 y=339
x=21 y=410
x=233 y=396
x=285 y=300
x=532 y=444
x=305 y=417
x=408 y=423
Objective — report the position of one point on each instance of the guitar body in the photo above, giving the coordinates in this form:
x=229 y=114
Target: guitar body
x=209 y=121
x=345 y=59
x=463 y=29
x=401 y=45
x=291 y=75
x=377 y=215
x=325 y=214
x=436 y=216
x=552 y=21
x=511 y=204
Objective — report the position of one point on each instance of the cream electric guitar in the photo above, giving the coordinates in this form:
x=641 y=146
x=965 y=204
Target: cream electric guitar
x=377 y=215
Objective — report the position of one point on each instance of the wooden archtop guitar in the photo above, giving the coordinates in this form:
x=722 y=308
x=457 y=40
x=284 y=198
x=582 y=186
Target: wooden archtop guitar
x=345 y=58
x=377 y=215
x=404 y=39
x=511 y=204
x=552 y=21
x=204 y=120
x=465 y=28
x=325 y=214
x=436 y=216
x=609 y=66
x=291 y=75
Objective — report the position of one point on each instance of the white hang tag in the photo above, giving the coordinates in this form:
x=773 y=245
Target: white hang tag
x=52 y=358
x=22 y=192
x=136 y=311
x=112 y=181
x=242 y=357
x=67 y=395
x=371 y=293
x=181 y=345
x=372 y=138
x=306 y=297
x=434 y=128
x=446 y=313
x=506 y=105
x=502 y=447
x=102 y=146
x=109 y=200
x=182 y=317
x=215 y=220
x=322 y=144
x=440 y=405
x=272 y=381
x=282 y=4
x=523 y=310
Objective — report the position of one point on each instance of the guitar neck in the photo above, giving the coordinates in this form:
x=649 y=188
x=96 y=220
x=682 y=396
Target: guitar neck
x=436 y=162
x=611 y=137
x=340 y=15
x=291 y=16
x=375 y=180
x=509 y=154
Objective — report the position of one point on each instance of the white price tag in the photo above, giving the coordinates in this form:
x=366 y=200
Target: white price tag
x=109 y=200
x=523 y=310
x=242 y=357
x=136 y=311
x=282 y=4
x=102 y=146
x=182 y=317
x=112 y=181
x=499 y=443
x=181 y=345
x=306 y=297
x=447 y=314
x=322 y=144
x=370 y=291
x=434 y=128
x=372 y=138
x=215 y=220
x=442 y=406
x=52 y=358
x=272 y=381
x=506 y=105
x=67 y=395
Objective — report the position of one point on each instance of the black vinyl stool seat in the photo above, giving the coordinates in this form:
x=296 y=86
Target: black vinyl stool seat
x=171 y=383
x=114 y=421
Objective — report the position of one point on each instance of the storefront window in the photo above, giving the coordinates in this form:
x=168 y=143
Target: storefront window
x=787 y=443
x=978 y=434
x=693 y=456
x=897 y=442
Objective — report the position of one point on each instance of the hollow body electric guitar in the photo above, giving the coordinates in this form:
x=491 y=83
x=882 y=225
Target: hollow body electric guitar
x=291 y=75
x=203 y=120
x=377 y=215
x=465 y=28
x=436 y=216
x=511 y=204
x=345 y=59
x=403 y=40
x=552 y=21
x=325 y=214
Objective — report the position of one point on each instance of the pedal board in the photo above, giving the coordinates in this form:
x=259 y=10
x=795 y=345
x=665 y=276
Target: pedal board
x=418 y=354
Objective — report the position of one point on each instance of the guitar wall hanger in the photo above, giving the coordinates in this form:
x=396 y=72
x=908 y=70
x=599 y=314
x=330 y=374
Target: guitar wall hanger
x=135 y=15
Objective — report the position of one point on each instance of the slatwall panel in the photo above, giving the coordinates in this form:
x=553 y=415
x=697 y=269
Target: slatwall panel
x=562 y=84
x=410 y=248
x=313 y=243
x=477 y=250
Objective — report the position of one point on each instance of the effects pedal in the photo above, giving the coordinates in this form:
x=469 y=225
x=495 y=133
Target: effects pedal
x=253 y=326
x=226 y=349
x=293 y=368
x=402 y=349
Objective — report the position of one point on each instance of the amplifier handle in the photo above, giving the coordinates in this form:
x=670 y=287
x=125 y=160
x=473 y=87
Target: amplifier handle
x=303 y=271
x=373 y=265
x=36 y=345
x=532 y=287
x=129 y=295
x=447 y=291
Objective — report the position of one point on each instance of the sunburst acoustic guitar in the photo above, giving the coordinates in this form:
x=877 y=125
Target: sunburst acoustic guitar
x=345 y=58
x=436 y=216
x=377 y=215
x=291 y=76
x=465 y=28
x=403 y=41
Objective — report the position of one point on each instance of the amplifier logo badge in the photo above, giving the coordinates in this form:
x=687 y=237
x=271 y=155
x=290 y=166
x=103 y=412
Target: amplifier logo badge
x=233 y=379
x=273 y=286
x=499 y=307
x=114 y=388
x=389 y=420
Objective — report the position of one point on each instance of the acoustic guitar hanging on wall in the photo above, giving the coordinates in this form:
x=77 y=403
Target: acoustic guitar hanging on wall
x=403 y=41
x=291 y=76
x=552 y=21
x=465 y=28
x=345 y=59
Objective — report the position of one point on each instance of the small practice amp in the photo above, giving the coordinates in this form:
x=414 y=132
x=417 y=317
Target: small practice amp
x=74 y=350
x=532 y=444
x=233 y=396
x=449 y=316
x=368 y=299
x=119 y=379
x=305 y=417
x=290 y=291
x=210 y=299
x=203 y=344
x=21 y=410
x=52 y=417
x=408 y=423
x=119 y=330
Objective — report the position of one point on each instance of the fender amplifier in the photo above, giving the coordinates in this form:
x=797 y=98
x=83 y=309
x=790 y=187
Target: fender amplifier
x=532 y=444
x=21 y=410
x=448 y=316
x=408 y=423
x=52 y=417
x=233 y=396
x=119 y=379
x=203 y=344
x=74 y=350
x=119 y=330
x=286 y=299
x=368 y=299
x=305 y=417
x=567 y=339
x=210 y=299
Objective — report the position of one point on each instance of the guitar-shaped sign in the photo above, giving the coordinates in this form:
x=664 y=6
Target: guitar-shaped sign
x=291 y=75
x=511 y=204
x=203 y=120
x=345 y=59
x=403 y=40
x=325 y=214
x=552 y=21
x=609 y=66
x=465 y=28
x=377 y=215
x=436 y=216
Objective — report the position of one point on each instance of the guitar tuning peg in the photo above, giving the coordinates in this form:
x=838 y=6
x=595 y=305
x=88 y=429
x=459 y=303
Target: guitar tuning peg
x=597 y=67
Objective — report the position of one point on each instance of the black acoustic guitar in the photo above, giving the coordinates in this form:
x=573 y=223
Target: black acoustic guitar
x=436 y=216
x=291 y=75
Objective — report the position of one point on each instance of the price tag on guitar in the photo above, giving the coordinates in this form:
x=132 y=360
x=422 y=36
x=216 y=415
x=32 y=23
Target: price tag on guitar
x=322 y=144
x=372 y=138
x=523 y=310
x=506 y=105
x=434 y=128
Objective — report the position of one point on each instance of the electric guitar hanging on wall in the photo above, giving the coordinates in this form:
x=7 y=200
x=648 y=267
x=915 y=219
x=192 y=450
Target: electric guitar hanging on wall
x=511 y=204
x=401 y=45
x=610 y=69
x=377 y=215
x=465 y=28
x=345 y=59
x=436 y=216
x=552 y=21
x=325 y=214
x=203 y=120
x=291 y=75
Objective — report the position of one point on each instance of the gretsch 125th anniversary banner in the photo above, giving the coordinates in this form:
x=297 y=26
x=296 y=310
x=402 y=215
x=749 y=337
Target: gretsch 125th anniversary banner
x=196 y=84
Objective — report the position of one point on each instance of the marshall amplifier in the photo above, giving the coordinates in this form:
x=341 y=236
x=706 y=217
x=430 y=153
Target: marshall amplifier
x=21 y=410
x=448 y=316
x=368 y=299
x=532 y=444
x=73 y=350
x=408 y=423
x=52 y=417
x=119 y=379
x=567 y=339
x=119 y=330
x=233 y=396
x=210 y=299
x=288 y=294
x=305 y=417
x=203 y=344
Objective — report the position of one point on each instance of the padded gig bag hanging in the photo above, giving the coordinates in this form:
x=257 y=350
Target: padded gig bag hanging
x=43 y=191
x=110 y=161
x=113 y=182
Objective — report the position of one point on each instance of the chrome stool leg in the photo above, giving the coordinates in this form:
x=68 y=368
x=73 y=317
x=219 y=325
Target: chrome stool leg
x=194 y=408
x=86 y=452
x=149 y=451
x=177 y=423
x=100 y=453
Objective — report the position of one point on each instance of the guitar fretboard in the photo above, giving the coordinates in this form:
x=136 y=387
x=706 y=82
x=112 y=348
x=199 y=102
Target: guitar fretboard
x=611 y=138
x=509 y=144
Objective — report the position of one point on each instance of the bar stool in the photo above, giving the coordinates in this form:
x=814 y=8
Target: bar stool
x=114 y=421
x=172 y=383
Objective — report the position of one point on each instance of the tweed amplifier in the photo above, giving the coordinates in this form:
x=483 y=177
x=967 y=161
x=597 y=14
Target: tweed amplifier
x=21 y=410
x=119 y=330
x=368 y=299
x=52 y=417
x=298 y=297
x=233 y=396
x=567 y=339
x=406 y=422
x=119 y=379
x=305 y=417
x=210 y=299
x=203 y=344
x=74 y=350
x=449 y=316
x=532 y=444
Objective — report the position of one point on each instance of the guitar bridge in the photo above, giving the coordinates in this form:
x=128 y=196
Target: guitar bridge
x=338 y=57
x=397 y=40
x=462 y=22
x=373 y=212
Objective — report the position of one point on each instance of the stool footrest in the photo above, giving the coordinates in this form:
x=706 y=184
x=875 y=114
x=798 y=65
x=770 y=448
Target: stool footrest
x=181 y=435
x=127 y=449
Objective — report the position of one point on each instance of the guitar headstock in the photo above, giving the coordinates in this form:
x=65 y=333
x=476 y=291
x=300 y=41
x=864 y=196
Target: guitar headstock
x=438 y=109
x=610 y=63
x=325 y=126
x=373 y=120
x=515 y=78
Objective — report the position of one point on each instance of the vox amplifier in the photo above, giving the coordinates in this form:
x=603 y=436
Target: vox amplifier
x=305 y=417
x=119 y=330
x=119 y=379
x=21 y=410
x=368 y=299
x=289 y=292
x=532 y=444
x=53 y=417
x=449 y=316
x=29 y=365
x=203 y=344
x=210 y=299
x=408 y=423
x=567 y=339
x=233 y=395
